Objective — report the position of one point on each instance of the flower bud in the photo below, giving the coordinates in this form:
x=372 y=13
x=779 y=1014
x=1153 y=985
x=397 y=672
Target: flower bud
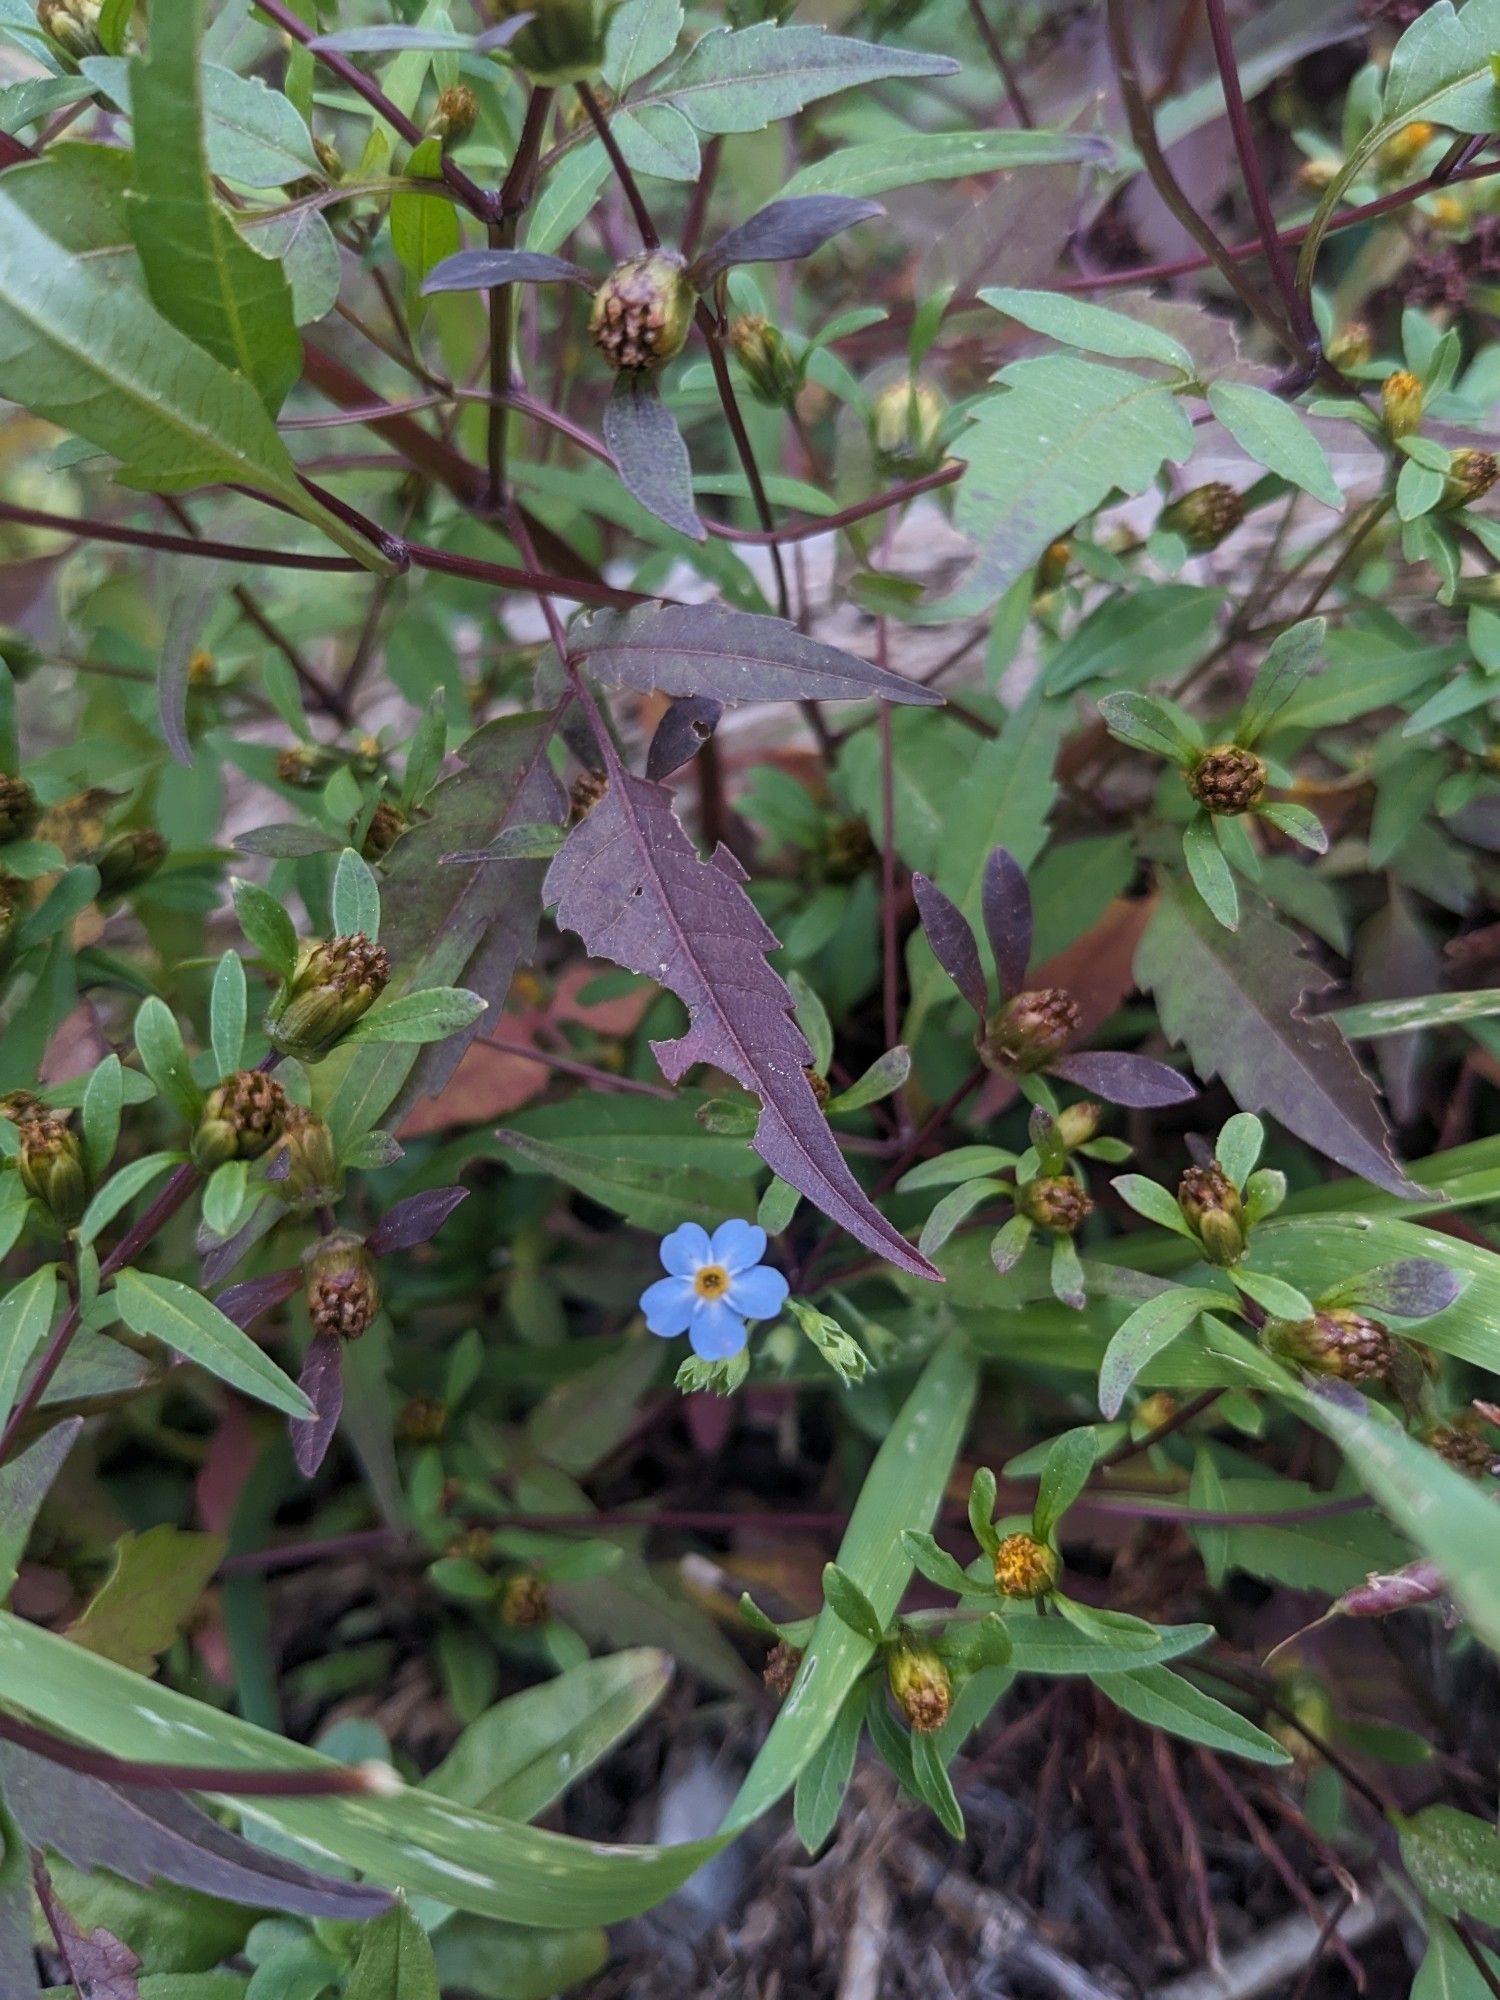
x=19 y=811
x=334 y=985
x=1055 y=1201
x=1210 y=1204
x=305 y=765
x=1338 y=1342
x=1029 y=1030
x=387 y=824
x=128 y=859
x=306 y=1171
x=1471 y=474
x=1352 y=345
x=907 y=422
x=1025 y=1567
x=1315 y=176
x=642 y=312
x=921 y=1684
x=588 y=789
x=1401 y=151
x=12 y=910
x=1078 y=1124
x=329 y=158
x=1401 y=403
x=423 y=1419
x=342 y=1295
x=1228 y=780
x=780 y=1669
x=1204 y=516
x=1053 y=566
x=525 y=1601
x=762 y=353
x=1464 y=1446
x=242 y=1118
x=52 y=1167
x=453 y=115
x=564 y=40
x=73 y=25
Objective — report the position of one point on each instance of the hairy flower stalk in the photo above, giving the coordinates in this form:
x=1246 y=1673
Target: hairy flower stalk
x=333 y=985
x=642 y=312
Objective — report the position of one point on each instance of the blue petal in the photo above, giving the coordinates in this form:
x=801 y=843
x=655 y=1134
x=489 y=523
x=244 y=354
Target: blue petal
x=716 y=1332
x=668 y=1306
x=757 y=1294
x=685 y=1249
x=738 y=1245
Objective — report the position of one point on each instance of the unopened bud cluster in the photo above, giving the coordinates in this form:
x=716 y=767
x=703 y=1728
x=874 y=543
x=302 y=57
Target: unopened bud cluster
x=1470 y=476
x=780 y=1669
x=1029 y=1031
x=453 y=115
x=1055 y=1201
x=1337 y=1342
x=1204 y=516
x=19 y=810
x=906 y=421
x=1401 y=403
x=525 y=1602
x=563 y=42
x=243 y=1116
x=72 y=26
x=333 y=985
x=642 y=312
x=51 y=1166
x=342 y=1294
x=921 y=1684
x=306 y=1170
x=1211 y=1207
x=1227 y=780
x=761 y=351
x=128 y=859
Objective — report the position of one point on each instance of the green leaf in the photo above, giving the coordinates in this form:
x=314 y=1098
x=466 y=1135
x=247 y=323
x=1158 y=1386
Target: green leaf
x=940 y=1568
x=233 y=303
x=523 y=1753
x=1155 y=630
x=1447 y=1972
x=1374 y=1018
x=96 y=359
x=1297 y=823
x=740 y=81
x=419 y=1017
x=1239 y=1145
x=1150 y=1199
x=825 y=1779
x=1206 y=1495
x=1094 y=328
x=254 y=134
x=102 y=1102
x=1275 y=1294
x=1418 y=490
x=356 y=897
x=1064 y=1476
x=655 y=1174
x=424 y=227
x=1291 y=658
x=1144 y=1333
x=1209 y=868
x=224 y=1196
x=159 y=1040
x=395 y=1959
x=227 y=1010
x=1164 y=1700
x=193 y=1326
x=267 y=926
x=149 y=1595
x=640 y=37
x=844 y=1597
x=955 y=1207
x=25 y=1318
x=1148 y=722
x=933 y=1783
x=1062 y=437
x=882 y=1079
x=1454 y=1859
x=900 y=162
x=961 y=1163
x=1085 y=1640
x=1272 y=433
x=121 y=1189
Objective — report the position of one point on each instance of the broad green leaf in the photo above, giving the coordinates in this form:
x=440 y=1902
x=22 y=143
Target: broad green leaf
x=102 y=1103
x=193 y=1326
x=121 y=1189
x=96 y=359
x=149 y=1595
x=419 y=1017
x=254 y=134
x=1088 y=1641
x=640 y=37
x=267 y=926
x=1272 y=433
x=656 y=1173
x=1095 y=329
x=201 y=275
x=739 y=81
x=395 y=1959
x=25 y=1318
x=1141 y=1336
x=1447 y=1972
x=1153 y=631
x=1454 y=1859
x=940 y=156
x=356 y=897
x=424 y=227
x=1164 y=1700
x=1063 y=435
x=1282 y=672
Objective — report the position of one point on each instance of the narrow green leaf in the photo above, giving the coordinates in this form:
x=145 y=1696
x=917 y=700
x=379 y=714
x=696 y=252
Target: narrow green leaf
x=228 y=1006
x=845 y=1598
x=121 y=1189
x=356 y=897
x=1064 y=1476
x=267 y=926
x=395 y=1959
x=102 y=1102
x=1164 y=1700
x=419 y=1017
x=159 y=1040
x=1153 y=1326
x=1211 y=873
x=193 y=1326
x=25 y=1318
x=940 y=156
x=933 y=1782
x=1094 y=328
x=1272 y=433
x=825 y=1779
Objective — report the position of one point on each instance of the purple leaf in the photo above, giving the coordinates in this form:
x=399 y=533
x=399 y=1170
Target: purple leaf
x=470 y=925
x=149 y=1835
x=414 y=1220
x=253 y=1298
x=98 y=1966
x=641 y=436
x=1006 y=902
x=1236 y=999
x=1414 y=1288
x=25 y=1482
x=953 y=943
x=1137 y=1081
x=783 y=229
x=729 y=656
x=682 y=732
x=630 y=883
x=482 y=270
x=322 y=1382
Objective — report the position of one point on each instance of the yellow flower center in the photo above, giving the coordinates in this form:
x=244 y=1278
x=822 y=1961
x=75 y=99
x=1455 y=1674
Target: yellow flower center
x=710 y=1281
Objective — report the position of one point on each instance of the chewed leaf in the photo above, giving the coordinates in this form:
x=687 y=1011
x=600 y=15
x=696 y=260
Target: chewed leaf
x=642 y=438
x=728 y=656
x=630 y=883
x=682 y=732
x=481 y=270
x=781 y=231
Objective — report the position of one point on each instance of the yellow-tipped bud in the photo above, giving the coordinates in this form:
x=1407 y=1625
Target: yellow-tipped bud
x=1401 y=403
x=906 y=420
x=1402 y=150
x=1205 y=515
x=763 y=354
x=1471 y=474
x=1025 y=1567
x=454 y=115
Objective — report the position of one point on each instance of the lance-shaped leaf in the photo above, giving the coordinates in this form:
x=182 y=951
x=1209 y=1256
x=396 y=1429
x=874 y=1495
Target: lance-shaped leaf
x=642 y=438
x=148 y=1835
x=253 y=1298
x=1006 y=902
x=781 y=231
x=322 y=1382
x=953 y=943
x=729 y=656
x=482 y=270
x=682 y=732
x=177 y=1315
x=1236 y=998
x=415 y=1220
x=1124 y=1078
x=630 y=883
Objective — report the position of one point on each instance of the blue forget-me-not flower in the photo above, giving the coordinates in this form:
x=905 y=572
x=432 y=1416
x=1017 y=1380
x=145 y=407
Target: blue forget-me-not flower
x=716 y=1283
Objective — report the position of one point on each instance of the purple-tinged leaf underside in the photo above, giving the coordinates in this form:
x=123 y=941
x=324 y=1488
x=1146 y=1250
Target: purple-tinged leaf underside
x=631 y=884
x=641 y=436
x=147 y=1835
x=253 y=1298
x=1124 y=1078
x=729 y=656
x=682 y=732
x=1005 y=901
x=783 y=230
x=953 y=942
x=415 y=1220
x=1236 y=1000
x=99 y=1966
x=322 y=1382
x=482 y=270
